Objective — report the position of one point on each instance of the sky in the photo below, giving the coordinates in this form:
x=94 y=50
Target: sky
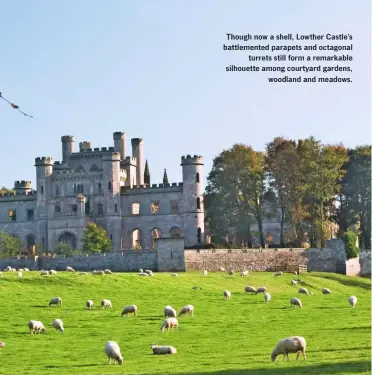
x=156 y=70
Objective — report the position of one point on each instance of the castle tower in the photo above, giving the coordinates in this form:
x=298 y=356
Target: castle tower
x=137 y=152
x=67 y=147
x=119 y=143
x=84 y=146
x=22 y=187
x=193 y=199
x=111 y=192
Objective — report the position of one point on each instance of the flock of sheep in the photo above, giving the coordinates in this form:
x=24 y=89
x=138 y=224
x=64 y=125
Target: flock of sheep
x=295 y=344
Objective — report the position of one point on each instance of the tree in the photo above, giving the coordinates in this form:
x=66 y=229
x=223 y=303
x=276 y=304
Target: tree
x=63 y=248
x=4 y=190
x=146 y=174
x=165 y=177
x=350 y=240
x=9 y=245
x=95 y=239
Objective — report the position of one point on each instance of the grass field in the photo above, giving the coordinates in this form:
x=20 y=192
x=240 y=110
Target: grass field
x=232 y=337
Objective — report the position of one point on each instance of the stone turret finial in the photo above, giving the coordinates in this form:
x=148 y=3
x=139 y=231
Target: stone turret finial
x=165 y=177
x=146 y=174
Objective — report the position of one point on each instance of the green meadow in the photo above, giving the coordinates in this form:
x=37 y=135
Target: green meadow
x=233 y=337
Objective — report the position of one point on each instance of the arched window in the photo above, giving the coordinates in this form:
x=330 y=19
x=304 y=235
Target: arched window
x=109 y=186
x=99 y=187
x=199 y=235
x=136 y=240
x=197 y=177
x=198 y=203
x=155 y=233
x=42 y=189
x=116 y=207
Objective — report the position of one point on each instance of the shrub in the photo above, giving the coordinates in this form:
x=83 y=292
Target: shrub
x=350 y=241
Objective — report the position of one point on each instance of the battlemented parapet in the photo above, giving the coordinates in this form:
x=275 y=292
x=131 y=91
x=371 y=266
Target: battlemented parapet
x=111 y=155
x=188 y=159
x=130 y=160
x=60 y=165
x=154 y=188
x=86 y=145
x=43 y=161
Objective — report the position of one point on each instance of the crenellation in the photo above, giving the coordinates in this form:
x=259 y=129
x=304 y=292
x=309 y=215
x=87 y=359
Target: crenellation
x=43 y=160
x=131 y=160
x=192 y=160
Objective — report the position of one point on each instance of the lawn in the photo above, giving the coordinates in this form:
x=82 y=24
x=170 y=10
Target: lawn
x=232 y=337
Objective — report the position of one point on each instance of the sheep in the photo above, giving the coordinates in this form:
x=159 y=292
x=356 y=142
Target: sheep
x=107 y=271
x=294 y=282
x=196 y=288
x=169 y=312
x=261 y=289
x=19 y=273
x=187 y=310
x=70 y=269
x=353 y=301
x=52 y=272
x=35 y=326
x=106 y=303
x=44 y=273
x=143 y=274
x=296 y=302
x=112 y=351
x=128 y=310
x=169 y=323
x=296 y=344
x=326 y=291
x=205 y=273
x=280 y=273
x=21 y=269
x=222 y=269
x=2 y=344
x=58 y=325
x=56 y=301
x=174 y=274
x=99 y=272
x=227 y=294
x=26 y=270
x=1 y=274
x=156 y=349
x=295 y=272
x=231 y=273
x=267 y=297
x=250 y=289
x=89 y=304
x=303 y=291
x=140 y=270
x=244 y=273
x=149 y=272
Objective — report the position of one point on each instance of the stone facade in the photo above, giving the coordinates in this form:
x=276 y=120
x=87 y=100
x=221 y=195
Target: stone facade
x=104 y=186
x=365 y=262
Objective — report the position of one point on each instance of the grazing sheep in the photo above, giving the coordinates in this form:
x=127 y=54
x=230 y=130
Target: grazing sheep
x=326 y=291
x=296 y=344
x=227 y=294
x=250 y=289
x=174 y=274
x=1 y=274
x=294 y=282
x=35 y=326
x=44 y=273
x=280 y=273
x=353 y=301
x=107 y=271
x=52 y=272
x=143 y=274
x=2 y=344
x=261 y=289
x=56 y=301
x=156 y=349
x=303 y=291
x=106 y=303
x=295 y=272
x=244 y=273
x=58 y=325
x=20 y=274
x=187 y=310
x=222 y=269
x=129 y=310
x=169 y=323
x=148 y=272
x=267 y=297
x=296 y=302
x=169 y=312
x=99 y=272
x=89 y=304
x=205 y=273
x=231 y=273
x=20 y=269
x=26 y=270
x=112 y=351
x=70 y=269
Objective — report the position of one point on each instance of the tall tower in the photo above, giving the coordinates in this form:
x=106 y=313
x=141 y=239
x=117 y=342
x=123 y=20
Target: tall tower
x=193 y=199
x=119 y=143
x=44 y=168
x=137 y=152
x=67 y=147
x=111 y=192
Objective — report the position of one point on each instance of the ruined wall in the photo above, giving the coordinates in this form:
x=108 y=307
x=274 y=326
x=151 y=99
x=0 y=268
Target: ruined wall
x=365 y=262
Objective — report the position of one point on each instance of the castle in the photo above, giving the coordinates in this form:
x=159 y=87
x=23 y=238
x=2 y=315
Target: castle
x=107 y=187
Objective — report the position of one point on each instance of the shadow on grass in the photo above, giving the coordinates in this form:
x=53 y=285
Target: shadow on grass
x=41 y=306
x=353 y=283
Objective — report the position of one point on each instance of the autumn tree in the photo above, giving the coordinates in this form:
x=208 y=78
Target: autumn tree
x=95 y=239
x=9 y=245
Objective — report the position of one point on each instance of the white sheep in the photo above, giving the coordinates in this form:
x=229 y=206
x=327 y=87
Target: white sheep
x=231 y=273
x=70 y=269
x=261 y=289
x=26 y=270
x=56 y=301
x=169 y=312
x=250 y=289
x=1 y=274
x=156 y=349
x=44 y=273
x=20 y=269
x=205 y=273
x=222 y=269
x=280 y=273
x=227 y=294
x=112 y=351
x=2 y=344
x=149 y=272
x=267 y=297
x=294 y=282
x=187 y=310
x=244 y=273
x=129 y=310
x=99 y=272
x=58 y=325
x=174 y=274
x=326 y=291
x=296 y=344
x=303 y=291
x=353 y=301
x=143 y=274
x=107 y=271
x=20 y=274
x=295 y=272
x=89 y=304
x=35 y=326
x=52 y=272
x=169 y=323
x=106 y=303
x=140 y=270
x=296 y=302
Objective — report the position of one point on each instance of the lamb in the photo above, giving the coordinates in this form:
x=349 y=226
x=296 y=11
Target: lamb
x=303 y=291
x=169 y=323
x=296 y=302
x=169 y=312
x=261 y=289
x=267 y=297
x=231 y=273
x=227 y=294
x=19 y=273
x=187 y=310
x=128 y=310
x=36 y=326
x=89 y=304
x=296 y=344
x=326 y=291
x=70 y=269
x=353 y=301
x=278 y=273
x=156 y=349
x=250 y=289
x=58 y=325
x=205 y=273
x=106 y=303
x=44 y=273
x=222 y=269
x=174 y=274
x=244 y=273
x=52 y=272
x=107 y=271
x=294 y=282
x=56 y=301
x=112 y=351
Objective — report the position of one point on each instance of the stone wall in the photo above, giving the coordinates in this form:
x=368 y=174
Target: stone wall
x=365 y=262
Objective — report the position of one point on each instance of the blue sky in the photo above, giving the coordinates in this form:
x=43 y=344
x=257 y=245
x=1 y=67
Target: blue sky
x=156 y=70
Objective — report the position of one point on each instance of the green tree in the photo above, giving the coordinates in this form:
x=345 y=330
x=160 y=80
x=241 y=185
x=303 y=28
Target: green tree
x=9 y=245
x=165 y=177
x=146 y=174
x=350 y=240
x=63 y=248
x=95 y=239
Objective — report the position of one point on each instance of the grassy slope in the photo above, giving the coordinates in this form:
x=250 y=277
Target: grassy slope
x=232 y=337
